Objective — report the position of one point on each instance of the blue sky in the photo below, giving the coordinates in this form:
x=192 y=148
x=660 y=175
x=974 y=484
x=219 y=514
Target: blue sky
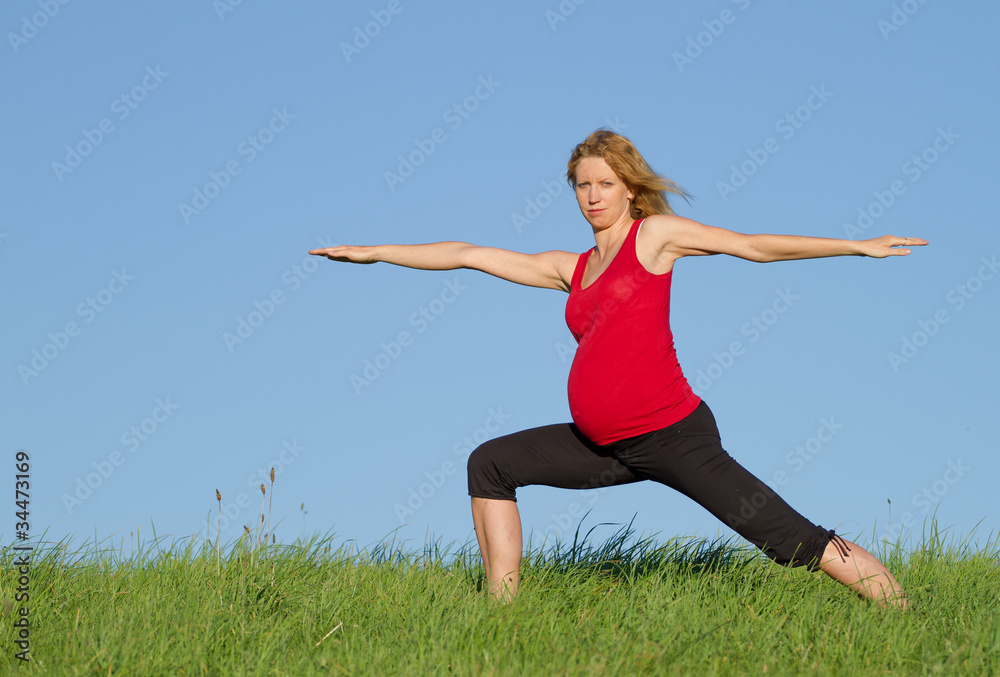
x=167 y=168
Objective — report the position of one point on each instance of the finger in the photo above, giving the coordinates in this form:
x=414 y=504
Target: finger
x=906 y=241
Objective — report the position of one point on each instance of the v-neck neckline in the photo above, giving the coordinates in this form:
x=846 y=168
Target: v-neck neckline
x=613 y=259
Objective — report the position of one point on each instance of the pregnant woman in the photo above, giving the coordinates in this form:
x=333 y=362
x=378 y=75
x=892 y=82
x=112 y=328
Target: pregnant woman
x=634 y=414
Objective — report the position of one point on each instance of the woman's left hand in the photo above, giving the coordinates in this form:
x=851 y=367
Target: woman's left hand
x=888 y=245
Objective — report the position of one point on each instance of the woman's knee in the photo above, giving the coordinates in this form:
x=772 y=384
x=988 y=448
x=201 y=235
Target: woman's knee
x=488 y=475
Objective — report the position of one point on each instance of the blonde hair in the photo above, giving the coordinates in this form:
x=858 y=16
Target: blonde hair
x=650 y=188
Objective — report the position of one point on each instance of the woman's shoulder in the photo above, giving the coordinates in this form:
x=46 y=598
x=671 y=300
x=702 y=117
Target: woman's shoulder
x=656 y=228
x=663 y=220
x=661 y=227
x=653 y=238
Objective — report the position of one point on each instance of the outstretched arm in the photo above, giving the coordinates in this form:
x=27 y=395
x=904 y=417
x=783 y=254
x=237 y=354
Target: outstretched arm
x=679 y=237
x=550 y=270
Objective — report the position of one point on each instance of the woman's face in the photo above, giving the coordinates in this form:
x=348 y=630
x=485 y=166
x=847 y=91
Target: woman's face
x=602 y=196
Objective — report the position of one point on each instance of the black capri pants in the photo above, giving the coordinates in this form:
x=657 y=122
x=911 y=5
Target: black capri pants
x=686 y=456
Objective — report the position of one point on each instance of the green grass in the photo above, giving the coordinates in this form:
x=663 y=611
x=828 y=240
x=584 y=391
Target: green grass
x=626 y=606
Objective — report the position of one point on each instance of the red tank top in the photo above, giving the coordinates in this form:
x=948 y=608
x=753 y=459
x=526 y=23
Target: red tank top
x=625 y=379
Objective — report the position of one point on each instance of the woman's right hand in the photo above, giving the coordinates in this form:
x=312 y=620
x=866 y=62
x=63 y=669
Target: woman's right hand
x=347 y=253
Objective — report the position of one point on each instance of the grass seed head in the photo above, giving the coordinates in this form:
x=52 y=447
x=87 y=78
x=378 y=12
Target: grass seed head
x=262 y=488
x=272 y=475
x=218 y=496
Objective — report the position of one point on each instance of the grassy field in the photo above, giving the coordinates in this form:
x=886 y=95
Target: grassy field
x=624 y=606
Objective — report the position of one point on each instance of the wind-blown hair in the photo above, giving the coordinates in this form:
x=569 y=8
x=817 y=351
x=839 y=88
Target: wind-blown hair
x=625 y=161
